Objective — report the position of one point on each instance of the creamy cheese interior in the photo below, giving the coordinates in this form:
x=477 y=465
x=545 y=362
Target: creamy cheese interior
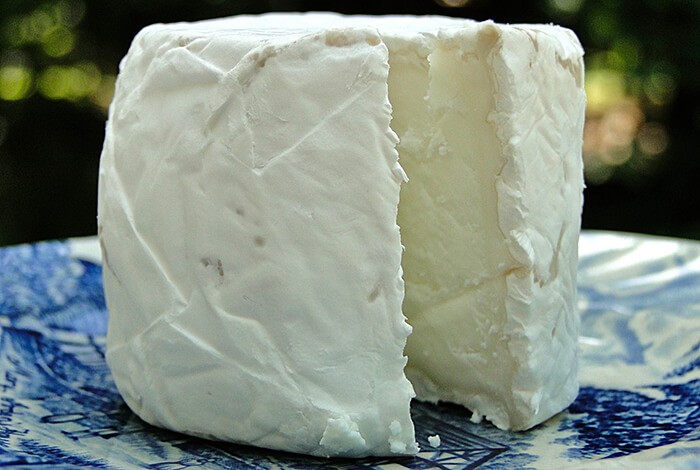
x=455 y=257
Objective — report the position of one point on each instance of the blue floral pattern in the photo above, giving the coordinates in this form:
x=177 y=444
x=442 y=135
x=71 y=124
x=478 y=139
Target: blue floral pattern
x=640 y=374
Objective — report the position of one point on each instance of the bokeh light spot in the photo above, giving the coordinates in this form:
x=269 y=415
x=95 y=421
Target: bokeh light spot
x=58 y=41
x=659 y=88
x=603 y=26
x=12 y=31
x=568 y=7
x=69 y=13
x=604 y=87
x=36 y=24
x=15 y=82
x=628 y=53
x=102 y=97
x=71 y=83
x=652 y=139
x=452 y=3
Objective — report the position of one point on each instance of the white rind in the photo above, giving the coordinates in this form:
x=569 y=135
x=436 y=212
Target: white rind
x=215 y=244
x=248 y=196
x=543 y=234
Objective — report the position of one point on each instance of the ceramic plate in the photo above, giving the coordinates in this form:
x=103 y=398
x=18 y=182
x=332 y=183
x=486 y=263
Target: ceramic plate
x=640 y=375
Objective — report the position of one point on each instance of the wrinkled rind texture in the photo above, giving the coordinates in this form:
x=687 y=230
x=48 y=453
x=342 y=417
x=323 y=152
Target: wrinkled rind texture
x=254 y=285
x=541 y=133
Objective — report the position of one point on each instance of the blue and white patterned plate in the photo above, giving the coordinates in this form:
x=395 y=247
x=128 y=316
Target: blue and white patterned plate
x=639 y=403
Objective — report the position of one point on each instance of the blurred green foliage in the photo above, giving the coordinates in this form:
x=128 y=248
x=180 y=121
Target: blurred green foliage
x=59 y=60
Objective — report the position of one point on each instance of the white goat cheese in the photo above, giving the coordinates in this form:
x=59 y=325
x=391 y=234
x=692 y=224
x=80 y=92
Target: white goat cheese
x=255 y=174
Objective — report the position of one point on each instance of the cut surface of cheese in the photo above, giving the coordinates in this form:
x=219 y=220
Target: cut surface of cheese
x=308 y=219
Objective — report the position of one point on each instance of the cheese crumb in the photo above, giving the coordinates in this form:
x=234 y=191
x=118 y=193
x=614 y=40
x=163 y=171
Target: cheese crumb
x=342 y=437
x=434 y=441
x=396 y=445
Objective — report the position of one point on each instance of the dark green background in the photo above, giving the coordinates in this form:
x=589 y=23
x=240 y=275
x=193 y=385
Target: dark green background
x=49 y=148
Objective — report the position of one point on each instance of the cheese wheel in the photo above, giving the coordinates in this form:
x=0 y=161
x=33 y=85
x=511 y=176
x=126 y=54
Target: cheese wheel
x=308 y=219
